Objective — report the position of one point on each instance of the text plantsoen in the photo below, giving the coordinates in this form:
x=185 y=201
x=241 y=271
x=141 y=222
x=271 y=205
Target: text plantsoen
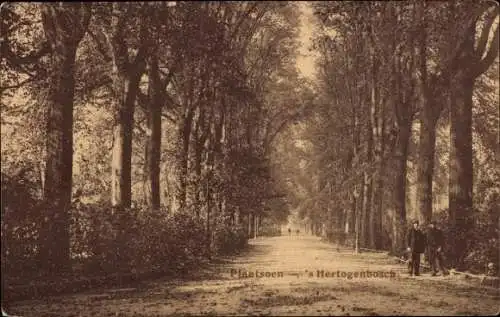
x=255 y=274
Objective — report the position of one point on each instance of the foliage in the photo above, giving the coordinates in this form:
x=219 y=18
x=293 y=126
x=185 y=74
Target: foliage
x=242 y=136
x=381 y=66
x=21 y=212
x=225 y=73
x=137 y=240
x=270 y=231
x=482 y=243
x=228 y=239
x=104 y=242
x=336 y=236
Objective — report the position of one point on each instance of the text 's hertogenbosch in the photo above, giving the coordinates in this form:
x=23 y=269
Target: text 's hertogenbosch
x=350 y=275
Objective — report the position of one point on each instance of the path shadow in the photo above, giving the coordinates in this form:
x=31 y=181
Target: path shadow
x=218 y=267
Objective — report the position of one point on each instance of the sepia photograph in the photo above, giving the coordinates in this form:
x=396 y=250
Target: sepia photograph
x=250 y=158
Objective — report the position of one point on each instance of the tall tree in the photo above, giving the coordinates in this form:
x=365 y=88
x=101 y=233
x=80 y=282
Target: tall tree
x=153 y=103
x=153 y=132
x=64 y=24
x=404 y=101
x=126 y=74
x=473 y=60
x=439 y=24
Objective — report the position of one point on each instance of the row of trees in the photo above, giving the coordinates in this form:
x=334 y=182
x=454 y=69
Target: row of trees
x=391 y=75
x=169 y=106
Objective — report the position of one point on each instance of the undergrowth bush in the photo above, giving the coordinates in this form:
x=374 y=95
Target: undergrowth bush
x=336 y=236
x=107 y=241
x=21 y=216
x=269 y=231
x=135 y=239
x=228 y=239
x=482 y=240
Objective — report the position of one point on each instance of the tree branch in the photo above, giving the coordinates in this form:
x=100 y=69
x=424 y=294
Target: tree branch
x=20 y=84
x=490 y=56
x=144 y=48
x=100 y=46
x=170 y=100
x=169 y=118
x=142 y=99
x=116 y=41
x=170 y=75
x=245 y=15
x=17 y=61
x=483 y=39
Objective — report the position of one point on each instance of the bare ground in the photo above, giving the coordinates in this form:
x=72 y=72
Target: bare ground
x=215 y=291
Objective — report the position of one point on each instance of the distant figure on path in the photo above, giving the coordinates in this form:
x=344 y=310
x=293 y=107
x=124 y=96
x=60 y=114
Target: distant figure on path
x=435 y=243
x=298 y=231
x=289 y=231
x=416 y=246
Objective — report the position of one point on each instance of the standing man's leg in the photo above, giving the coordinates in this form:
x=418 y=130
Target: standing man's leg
x=440 y=258
x=416 y=263
x=432 y=261
x=414 y=257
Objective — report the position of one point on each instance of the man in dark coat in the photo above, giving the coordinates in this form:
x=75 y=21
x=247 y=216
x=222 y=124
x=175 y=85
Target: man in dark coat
x=416 y=246
x=435 y=244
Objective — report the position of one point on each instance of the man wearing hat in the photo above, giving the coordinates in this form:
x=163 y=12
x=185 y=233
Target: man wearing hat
x=435 y=244
x=416 y=242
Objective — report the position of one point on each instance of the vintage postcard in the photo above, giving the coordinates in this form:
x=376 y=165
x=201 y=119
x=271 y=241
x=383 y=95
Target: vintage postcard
x=244 y=158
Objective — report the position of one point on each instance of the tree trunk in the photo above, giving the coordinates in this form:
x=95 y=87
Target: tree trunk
x=461 y=169
x=400 y=168
x=153 y=142
x=340 y=229
x=377 y=132
x=473 y=64
x=378 y=183
x=55 y=244
x=359 y=210
x=197 y=166
x=237 y=216
x=351 y=216
x=208 y=220
x=126 y=75
x=367 y=192
x=249 y=217
x=256 y=226
x=54 y=240
x=354 y=216
x=121 y=164
x=185 y=136
x=403 y=110
x=431 y=110
x=199 y=146
x=376 y=214
x=425 y=170
x=209 y=192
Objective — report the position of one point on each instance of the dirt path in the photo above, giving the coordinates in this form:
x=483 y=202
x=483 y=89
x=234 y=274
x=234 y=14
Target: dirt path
x=296 y=289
